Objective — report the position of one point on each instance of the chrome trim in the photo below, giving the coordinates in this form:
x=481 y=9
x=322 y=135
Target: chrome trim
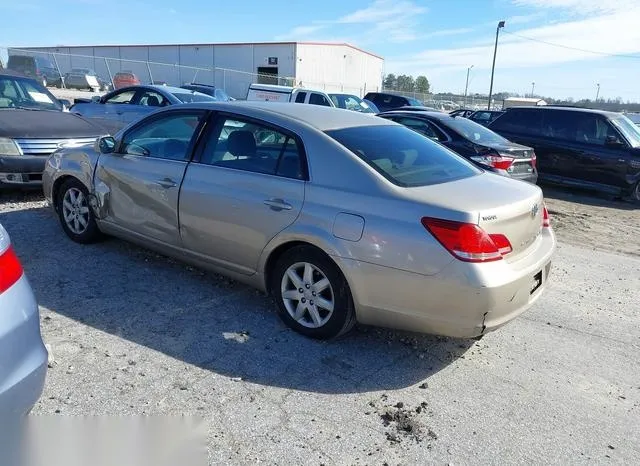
x=46 y=146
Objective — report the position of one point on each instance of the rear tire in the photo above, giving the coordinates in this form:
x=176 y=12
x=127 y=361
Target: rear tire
x=311 y=293
x=76 y=217
x=635 y=193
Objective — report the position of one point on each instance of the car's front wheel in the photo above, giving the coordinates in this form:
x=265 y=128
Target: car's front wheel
x=635 y=193
x=77 y=219
x=312 y=295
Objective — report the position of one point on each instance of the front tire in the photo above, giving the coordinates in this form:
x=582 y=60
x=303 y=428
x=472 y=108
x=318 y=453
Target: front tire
x=312 y=295
x=76 y=217
x=635 y=193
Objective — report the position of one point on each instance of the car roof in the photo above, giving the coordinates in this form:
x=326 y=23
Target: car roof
x=320 y=117
x=429 y=113
x=569 y=109
x=13 y=74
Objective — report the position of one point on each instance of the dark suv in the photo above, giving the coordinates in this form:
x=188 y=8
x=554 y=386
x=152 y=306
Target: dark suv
x=577 y=146
x=38 y=68
x=386 y=102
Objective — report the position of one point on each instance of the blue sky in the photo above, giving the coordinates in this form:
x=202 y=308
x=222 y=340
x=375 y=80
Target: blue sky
x=437 y=38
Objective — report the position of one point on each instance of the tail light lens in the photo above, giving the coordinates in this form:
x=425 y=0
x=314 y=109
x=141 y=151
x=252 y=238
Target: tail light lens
x=10 y=269
x=534 y=160
x=546 y=221
x=495 y=160
x=467 y=241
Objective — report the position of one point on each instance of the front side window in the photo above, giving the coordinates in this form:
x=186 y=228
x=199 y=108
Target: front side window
x=300 y=98
x=253 y=147
x=168 y=137
x=123 y=97
x=403 y=156
x=319 y=99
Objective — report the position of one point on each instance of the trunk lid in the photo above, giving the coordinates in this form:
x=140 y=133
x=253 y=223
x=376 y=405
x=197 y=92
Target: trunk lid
x=498 y=204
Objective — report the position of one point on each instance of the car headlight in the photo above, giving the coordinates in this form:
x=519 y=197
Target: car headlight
x=9 y=147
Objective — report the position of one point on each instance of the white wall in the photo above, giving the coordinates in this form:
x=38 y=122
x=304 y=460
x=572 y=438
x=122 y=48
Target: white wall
x=338 y=68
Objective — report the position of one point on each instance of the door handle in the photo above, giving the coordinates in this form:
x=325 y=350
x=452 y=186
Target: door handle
x=278 y=204
x=166 y=183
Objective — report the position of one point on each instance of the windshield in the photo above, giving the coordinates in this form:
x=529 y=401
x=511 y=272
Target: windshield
x=18 y=92
x=628 y=129
x=473 y=131
x=350 y=102
x=403 y=156
x=193 y=97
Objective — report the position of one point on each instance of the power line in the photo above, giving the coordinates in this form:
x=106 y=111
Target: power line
x=637 y=57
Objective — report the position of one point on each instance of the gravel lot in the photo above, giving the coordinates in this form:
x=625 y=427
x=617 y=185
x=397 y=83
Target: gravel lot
x=133 y=332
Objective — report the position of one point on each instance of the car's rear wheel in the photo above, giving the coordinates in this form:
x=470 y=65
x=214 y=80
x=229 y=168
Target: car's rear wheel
x=77 y=219
x=635 y=193
x=312 y=295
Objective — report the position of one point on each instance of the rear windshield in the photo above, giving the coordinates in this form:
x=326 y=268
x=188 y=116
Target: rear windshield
x=191 y=97
x=403 y=156
x=473 y=131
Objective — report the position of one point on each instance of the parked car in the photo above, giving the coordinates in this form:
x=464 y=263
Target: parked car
x=576 y=146
x=125 y=79
x=462 y=112
x=123 y=106
x=299 y=95
x=386 y=102
x=416 y=108
x=39 y=68
x=484 y=117
x=23 y=356
x=472 y=141
x=84 y=78
x=32 y=126
x=351 y=102
x=213 y=91
x=341 y=216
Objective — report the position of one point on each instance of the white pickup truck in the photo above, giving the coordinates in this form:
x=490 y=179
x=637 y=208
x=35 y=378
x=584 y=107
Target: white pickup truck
x=301 y=95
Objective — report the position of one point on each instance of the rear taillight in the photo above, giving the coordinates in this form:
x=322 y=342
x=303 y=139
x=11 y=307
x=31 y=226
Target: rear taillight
x=10 y=269
x=546 y=221
x=534 y=160
x=467 y=241
x=495 y=160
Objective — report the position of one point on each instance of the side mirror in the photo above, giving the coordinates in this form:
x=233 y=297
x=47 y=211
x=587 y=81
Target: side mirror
x=95 y=98
x=106 y=145
x=613 y=141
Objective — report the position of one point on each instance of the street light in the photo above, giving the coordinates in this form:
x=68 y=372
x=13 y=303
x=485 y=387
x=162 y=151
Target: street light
x=466 y=86
x=533 y=86
x=493 y=67
x=597 y=92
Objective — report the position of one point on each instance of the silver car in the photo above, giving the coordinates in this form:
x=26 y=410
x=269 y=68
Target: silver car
x=340 y=216
x=23 y=357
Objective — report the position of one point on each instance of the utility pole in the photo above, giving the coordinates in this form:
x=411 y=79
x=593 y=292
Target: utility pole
x=493 y=67
x=533 y=86
x=597 y=92
x=466 y=86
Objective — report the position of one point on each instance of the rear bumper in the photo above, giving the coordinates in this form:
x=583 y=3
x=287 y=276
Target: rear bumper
x=463 y=300
x=21 y=170
x=23 y=357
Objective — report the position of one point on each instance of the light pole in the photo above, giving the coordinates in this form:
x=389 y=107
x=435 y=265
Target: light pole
x=533 y=86
x=597 y=92
x=466 y=86
x=493 y=67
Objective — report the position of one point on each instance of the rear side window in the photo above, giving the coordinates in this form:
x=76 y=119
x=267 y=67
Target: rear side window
x=528 y=122
x=403 y=156
x=301 y=97
x=319 y=99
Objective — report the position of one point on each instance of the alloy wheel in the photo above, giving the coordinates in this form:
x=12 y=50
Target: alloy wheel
x=75 y=210
x=307 y=295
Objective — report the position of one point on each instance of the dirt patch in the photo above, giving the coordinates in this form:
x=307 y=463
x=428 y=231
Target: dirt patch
x=594 y=221
x=403 y=422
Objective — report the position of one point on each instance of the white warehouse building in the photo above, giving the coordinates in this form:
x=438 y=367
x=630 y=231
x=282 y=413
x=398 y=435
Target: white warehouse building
x=332 y=67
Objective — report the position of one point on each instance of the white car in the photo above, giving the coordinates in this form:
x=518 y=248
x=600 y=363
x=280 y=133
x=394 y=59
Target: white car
x=23 y=356
x=299 y=95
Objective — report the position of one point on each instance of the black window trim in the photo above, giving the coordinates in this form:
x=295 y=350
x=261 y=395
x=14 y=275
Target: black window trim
x=216 y=116
x=165 y=114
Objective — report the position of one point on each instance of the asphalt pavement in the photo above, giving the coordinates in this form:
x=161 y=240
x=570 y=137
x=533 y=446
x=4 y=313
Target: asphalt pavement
x=132 y=332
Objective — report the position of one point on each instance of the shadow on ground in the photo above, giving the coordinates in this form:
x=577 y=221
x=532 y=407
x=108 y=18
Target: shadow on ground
x=207 y=320
x=586 y=197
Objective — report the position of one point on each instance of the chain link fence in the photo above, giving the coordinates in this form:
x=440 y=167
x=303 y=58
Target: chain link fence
x=53 y=69
x=446 y=102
